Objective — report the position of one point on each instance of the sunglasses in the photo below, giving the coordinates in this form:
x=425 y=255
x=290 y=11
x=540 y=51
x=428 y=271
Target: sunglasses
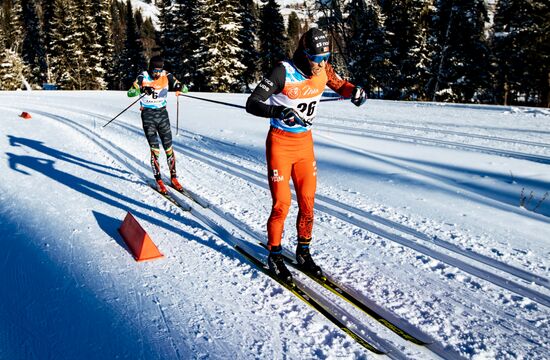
x=157 y=71
x=318 y=58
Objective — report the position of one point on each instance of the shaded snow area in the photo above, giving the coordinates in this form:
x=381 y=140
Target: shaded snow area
x=435 y=214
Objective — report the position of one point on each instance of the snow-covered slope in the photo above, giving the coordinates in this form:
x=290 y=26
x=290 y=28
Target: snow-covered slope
x=418 y=209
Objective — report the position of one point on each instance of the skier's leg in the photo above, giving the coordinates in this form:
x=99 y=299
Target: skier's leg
x=304 y=177
x=165 y=133
x=279 y=167
x=150 y=129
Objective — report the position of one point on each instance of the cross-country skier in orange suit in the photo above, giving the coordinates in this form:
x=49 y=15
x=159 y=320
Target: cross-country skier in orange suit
x=154 y=85
x=290 y=97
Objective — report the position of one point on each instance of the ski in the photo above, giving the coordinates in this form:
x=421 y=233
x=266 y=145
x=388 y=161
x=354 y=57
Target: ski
x=333 y=286
x=183 y=206
x=308 y=299
x=193 y=197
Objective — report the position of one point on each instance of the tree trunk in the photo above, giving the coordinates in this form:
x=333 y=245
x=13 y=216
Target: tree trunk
x=506 y=93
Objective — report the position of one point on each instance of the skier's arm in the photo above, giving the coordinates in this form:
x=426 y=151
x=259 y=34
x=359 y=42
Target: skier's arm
x=273 y=84
x=336 y=83
x=345 y=88
x=135 y=90
x=176 y=85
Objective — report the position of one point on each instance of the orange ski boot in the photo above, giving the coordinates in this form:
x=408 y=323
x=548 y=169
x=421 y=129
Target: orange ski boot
x=176 y=184
x=161 y=187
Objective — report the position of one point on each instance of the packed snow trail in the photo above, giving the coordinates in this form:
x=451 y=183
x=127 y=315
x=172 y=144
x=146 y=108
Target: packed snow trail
x=203 y=293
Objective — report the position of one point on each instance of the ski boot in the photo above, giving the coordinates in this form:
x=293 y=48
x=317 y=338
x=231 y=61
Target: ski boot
x=276 y=264
x=176 y=184
x=304 y=260
x=161 y=188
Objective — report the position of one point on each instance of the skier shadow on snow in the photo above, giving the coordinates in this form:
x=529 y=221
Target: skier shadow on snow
x=70 y=158
x=46 y=167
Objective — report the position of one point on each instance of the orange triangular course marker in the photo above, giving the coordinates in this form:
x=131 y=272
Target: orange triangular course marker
x=137 y=239
x=25 y=115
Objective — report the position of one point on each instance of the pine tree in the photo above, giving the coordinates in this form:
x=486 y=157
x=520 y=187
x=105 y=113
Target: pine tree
x=425 y=62
x=459 y=51
x=273 y=40
x=32 y=48
x=188 y=14
x=294 y=30
x=13 y=70
x=183 y=11
x=65 y=68
x=132 y=61
x=543 y=16
x=404 y=30
x=115 y=75
x=148 y=36
x=12 y=24
x=250 y=56
x=88 y=54
x=368 y=47
x=220 y=52
x=48 y=13
x=2 y=39
x=102 y=22
x=520 y=61
x=168 y=20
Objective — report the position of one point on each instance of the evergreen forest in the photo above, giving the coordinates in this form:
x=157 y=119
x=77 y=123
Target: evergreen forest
x=467 y=51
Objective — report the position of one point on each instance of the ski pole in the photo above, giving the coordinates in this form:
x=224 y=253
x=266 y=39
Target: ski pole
x=333 y=99
x=129 y=106
x=177 y=114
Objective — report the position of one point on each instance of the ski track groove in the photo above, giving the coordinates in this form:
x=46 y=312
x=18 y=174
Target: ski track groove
x=442 y=143
x=442 y=131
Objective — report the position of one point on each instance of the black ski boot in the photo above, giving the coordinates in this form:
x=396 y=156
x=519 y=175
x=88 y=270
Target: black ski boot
x=276 y=264
x=304 y=260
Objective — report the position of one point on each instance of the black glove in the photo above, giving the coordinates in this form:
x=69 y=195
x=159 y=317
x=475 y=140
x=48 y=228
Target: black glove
x=291 y=117
x=358 y=96
x=177 y=86
x=148 y=90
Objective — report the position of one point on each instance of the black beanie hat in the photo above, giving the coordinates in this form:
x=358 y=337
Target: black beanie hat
x=315 y=42
x=156 y=62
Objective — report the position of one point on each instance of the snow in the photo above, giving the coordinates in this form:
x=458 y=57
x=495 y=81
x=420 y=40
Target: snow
x=418 y=209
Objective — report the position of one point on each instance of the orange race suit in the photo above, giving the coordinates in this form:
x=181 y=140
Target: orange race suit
x=289 y=149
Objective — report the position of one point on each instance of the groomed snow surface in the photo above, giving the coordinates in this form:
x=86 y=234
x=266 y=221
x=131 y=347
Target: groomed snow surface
x=439 y=214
